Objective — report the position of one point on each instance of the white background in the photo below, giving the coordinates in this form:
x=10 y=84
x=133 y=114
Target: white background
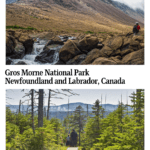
x=137 y=77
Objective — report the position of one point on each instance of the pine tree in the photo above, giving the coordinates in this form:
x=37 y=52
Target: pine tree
x=77 y=120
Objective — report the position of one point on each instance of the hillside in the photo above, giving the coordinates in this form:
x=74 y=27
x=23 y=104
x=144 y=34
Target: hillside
x=70 y=16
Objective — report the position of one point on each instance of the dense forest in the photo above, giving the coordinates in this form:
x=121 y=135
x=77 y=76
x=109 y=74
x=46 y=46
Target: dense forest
x=119 y=130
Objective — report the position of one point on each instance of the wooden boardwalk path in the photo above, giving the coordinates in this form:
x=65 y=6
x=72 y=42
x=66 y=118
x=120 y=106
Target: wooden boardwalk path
x=72 y=148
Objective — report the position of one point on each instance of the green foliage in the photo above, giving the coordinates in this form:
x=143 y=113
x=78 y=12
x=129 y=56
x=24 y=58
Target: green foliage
x=89 y=32
x=19 y=134
x=18 y=27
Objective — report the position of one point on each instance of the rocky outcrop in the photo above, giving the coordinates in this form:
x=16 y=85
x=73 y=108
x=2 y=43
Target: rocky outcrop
x=122 y=49
x=18 y=44
x=87 y=43
x=134 y=58
x=104 y=61
x=46 y=56
x=10 y=45
x=77 y=60
x=92 y=55
x=69 y=51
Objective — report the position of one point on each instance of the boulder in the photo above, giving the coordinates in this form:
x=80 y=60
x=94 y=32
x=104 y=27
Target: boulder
x=46 y=56
x=135 y=45
x=126 y=43
x=8 y=61
x=76 y=60
x=126 y=51
x=60 y=63
x=107 y=51
x=10 y=45
x=55 y=40
x=114 y=43
x=21 y=63
x=104 y=61
x=69 y=51
x=92 y=55
x=27 y=43
x=138 y=38
x=142 y=45
x=116 y=59
x=19 y=52
x=88 y=43
x=134 y=58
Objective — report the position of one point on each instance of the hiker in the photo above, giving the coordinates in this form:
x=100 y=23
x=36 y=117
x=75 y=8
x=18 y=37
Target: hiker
x=136 y=28
x=68 y=140
x=74 y=138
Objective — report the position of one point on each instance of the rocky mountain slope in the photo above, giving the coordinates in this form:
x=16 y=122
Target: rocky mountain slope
x=69 y=16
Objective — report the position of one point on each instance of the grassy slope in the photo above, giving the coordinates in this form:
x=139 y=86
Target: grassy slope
x=57 y=18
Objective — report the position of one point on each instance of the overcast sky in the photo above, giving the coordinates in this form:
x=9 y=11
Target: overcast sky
x=85 y=96
x=133 y=3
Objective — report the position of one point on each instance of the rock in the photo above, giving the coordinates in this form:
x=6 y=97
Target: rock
x=138 y=38
x=55 y=40
x=69 y=51
x=134 y=58
x=76 y=60
x=92 y=55
x=27 y=43
x=10 y=45
x=135 y=45
x=46 y=56
x=107 y=51
x=60 y=63
x=116 y=59
x=129 y=34
x=53 y=46
x=126 y=43
x=8 y=61
x=104 y=61
x=88 y=43
x=142 y=45
x=127 y=51
x=21 y=63
x=100 y=45
x=114 y=43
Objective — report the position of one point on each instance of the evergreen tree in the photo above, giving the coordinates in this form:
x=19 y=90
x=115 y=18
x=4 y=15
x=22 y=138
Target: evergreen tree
x=78 y=120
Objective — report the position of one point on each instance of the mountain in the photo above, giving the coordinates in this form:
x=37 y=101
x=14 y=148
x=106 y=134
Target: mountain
x=61 y=111
x=137 y=14
x=10 y=1
x=73 y=15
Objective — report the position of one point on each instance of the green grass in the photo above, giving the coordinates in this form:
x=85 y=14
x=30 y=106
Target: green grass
x=102 y=32
x=18 y=27
x=34 y=17
x=89 y=32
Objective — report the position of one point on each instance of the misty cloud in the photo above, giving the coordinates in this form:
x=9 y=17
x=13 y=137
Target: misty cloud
x=133 y=3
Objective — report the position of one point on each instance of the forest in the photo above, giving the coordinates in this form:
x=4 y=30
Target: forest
x=119 y=130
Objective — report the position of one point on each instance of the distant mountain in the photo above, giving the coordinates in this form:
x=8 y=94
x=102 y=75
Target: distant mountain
x=61 y=111
x=137 y=14
x=10 y=1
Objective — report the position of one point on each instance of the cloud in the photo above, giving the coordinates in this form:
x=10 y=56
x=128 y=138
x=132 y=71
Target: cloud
x=133 y=3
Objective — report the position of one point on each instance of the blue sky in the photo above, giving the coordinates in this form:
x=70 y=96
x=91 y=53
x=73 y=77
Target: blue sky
x=133 y=3
x=86 y=96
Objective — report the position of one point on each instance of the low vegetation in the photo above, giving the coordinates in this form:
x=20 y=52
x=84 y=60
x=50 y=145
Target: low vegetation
x=18 y=27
